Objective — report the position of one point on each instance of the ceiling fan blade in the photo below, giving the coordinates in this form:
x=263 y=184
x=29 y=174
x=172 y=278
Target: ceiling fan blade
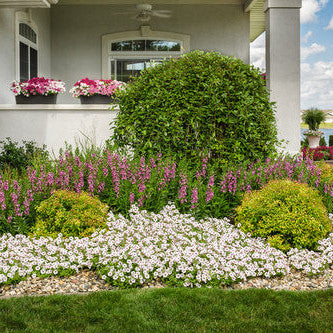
x=161 y=15
x=162 y=11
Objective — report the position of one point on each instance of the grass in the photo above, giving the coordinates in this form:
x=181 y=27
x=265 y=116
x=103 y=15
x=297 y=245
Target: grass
x=171 y=310
x=322 y=125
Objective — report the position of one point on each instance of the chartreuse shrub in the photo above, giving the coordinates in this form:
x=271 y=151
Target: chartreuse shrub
x=70 y=213
x=200 y=104
x=288 y=214
x=326 y=171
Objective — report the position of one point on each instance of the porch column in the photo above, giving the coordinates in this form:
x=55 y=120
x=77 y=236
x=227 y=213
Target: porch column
x=283 y=67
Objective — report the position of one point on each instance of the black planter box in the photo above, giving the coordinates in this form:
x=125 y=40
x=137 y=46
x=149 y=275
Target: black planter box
x=97 y=99
x=36 y=99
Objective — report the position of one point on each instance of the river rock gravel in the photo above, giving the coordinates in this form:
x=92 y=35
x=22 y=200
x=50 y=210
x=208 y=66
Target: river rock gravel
x=88 y=281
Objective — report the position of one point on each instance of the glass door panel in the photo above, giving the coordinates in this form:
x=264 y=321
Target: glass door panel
x=124 y=69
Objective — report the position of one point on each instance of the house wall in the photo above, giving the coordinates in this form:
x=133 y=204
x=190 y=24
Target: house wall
x=53 y=125
x=7 y=59
x=41 y=17
x=77 y=34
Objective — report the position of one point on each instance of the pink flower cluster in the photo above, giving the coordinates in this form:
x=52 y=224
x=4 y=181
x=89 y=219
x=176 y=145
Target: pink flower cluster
x=37 y=86
x=319 y=153
x=149 y=183
x=87 y=87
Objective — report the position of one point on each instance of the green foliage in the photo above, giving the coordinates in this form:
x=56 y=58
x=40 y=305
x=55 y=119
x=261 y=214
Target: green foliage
x=287 y=213
x=313 y=117
x=326 y=171
x=203 y=104
x=322 y=142
x=330 y=142
x=71 y=213
x=18 y=156
x=305 y=143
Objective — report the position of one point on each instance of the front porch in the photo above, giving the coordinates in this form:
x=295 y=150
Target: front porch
x=75 y=39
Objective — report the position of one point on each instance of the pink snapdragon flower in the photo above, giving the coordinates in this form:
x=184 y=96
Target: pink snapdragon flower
x=210 y=191
x=194 y=199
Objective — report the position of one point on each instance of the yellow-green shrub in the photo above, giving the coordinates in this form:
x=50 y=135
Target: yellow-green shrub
x=71 y=213
x=287 y=213
x=326 y=171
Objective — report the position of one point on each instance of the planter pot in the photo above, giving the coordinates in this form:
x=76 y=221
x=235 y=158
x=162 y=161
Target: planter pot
x=313 y=141
x=36 y=99
x=97 y=99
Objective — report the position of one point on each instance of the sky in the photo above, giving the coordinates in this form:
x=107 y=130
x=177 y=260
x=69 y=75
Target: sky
x=316 y=54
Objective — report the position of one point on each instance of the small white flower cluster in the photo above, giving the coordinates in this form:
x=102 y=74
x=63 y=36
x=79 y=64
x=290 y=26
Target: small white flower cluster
x=312 y=262
x=314 y=133
x=169 y=246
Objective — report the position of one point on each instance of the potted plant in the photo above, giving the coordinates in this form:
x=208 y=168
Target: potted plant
x=37 y=90
x=96 y=91
x=313 y=118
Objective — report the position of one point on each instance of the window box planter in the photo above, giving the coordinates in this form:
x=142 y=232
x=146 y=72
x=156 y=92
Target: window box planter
x=96 y=91
x=37 y=90
x=37 y=99
x=97 y=99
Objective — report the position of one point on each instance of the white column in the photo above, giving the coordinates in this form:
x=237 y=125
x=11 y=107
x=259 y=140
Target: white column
x=283 y=67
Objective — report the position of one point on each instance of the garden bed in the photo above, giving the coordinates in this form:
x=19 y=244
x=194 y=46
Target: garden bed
x=88 y=281
x=158 y=250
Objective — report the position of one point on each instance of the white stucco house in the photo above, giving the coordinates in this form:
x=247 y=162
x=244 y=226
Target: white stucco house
x=74 y=39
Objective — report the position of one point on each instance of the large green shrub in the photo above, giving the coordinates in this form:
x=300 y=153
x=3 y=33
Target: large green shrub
x=71 y=213
x=287 y=213
x=202 y=103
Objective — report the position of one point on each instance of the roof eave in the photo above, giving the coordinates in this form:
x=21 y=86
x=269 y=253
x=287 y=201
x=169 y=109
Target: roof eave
x=27 y=3
x=255 y=8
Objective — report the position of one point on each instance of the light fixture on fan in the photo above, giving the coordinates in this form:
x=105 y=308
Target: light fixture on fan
x=145 y=11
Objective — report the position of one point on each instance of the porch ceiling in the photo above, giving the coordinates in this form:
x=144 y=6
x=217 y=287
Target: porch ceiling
x=254 y=7
x=164 y=2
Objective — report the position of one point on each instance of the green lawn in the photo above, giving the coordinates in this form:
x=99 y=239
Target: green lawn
x=171 y=310
x=322 y=125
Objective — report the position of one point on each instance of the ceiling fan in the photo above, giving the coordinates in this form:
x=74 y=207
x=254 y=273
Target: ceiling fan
x=145 y=11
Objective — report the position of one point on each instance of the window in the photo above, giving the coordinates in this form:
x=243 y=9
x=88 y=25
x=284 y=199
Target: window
x=123 y=69
x=27 y=52
x=129 y=57
x=146 y=45
x=127 y=54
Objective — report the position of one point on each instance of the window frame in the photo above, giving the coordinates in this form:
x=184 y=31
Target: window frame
x=145 y=33
x=24 y=18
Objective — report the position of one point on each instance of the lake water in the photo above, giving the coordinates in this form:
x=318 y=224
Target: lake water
x=327 y=133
